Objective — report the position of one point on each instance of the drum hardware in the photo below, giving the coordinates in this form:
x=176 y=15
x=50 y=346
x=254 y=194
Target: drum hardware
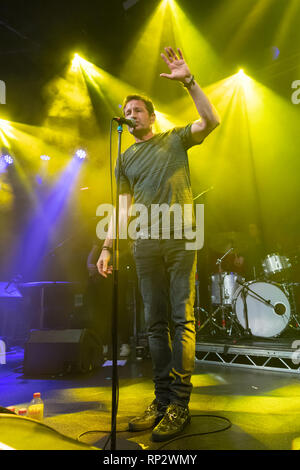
x=278 y=308
x=223 y=303
x=263 y=307
x=276 y=266
x=247 y=329
x=212 y=321
x=228 y=284
x=288 y=287
x=233 y=328
x=197 y=308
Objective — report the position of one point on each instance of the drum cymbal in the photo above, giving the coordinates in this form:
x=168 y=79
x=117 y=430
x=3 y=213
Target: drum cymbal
x=222 y=242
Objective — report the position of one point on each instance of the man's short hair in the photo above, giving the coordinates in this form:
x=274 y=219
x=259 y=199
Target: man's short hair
x=148 y=103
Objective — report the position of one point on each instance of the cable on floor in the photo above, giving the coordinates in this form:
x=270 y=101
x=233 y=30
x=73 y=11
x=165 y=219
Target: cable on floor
x=182 y=436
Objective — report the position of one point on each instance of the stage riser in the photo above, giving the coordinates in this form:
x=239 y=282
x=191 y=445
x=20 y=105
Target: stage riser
x=247 y=357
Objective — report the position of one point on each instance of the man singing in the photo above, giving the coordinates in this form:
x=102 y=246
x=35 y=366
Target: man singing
x=154 y=171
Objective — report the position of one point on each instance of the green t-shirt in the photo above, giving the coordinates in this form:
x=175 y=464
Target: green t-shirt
x=156 y=172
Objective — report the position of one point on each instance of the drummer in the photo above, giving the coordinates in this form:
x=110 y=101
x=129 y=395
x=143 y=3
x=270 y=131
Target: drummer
x=234 y=262
x=254 y=254
x=247 y=253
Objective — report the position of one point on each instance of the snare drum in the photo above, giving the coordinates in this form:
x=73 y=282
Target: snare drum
x=228 y=286
x=275 y=264
x=264 y=320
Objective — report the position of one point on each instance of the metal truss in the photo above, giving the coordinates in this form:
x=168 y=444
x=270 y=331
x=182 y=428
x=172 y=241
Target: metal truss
x=270 y=358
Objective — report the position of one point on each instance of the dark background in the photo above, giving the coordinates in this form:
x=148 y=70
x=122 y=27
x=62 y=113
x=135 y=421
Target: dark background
x=36 y=40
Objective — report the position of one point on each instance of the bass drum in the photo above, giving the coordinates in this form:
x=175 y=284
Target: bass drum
x=265 y=321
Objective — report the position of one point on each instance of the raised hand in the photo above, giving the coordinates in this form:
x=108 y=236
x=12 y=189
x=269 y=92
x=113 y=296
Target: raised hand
x=179 y=69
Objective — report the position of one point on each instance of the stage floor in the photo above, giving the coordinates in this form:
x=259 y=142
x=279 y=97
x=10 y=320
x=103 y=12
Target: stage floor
x=263 y=406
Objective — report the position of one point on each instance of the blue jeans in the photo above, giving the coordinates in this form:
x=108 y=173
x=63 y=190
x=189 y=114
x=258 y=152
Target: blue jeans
x=166 y=275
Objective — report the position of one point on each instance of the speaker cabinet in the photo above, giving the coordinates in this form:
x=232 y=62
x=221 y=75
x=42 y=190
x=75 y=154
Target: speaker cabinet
x=61 y=351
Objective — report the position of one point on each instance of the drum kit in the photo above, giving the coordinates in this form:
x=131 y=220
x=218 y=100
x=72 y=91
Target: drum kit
x=263 y=307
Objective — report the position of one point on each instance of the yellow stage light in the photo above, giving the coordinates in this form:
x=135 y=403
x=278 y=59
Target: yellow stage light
x=5 y=133
x=246 y=84
x=75 y=63
x=167 y=26
x=5 y=126
x=166 y=3
x=79 y=63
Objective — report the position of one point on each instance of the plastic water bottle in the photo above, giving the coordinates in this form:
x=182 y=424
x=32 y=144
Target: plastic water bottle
x=36 y=408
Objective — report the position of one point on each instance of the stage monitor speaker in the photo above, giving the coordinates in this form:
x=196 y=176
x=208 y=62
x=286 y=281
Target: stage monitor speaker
x=61 y=351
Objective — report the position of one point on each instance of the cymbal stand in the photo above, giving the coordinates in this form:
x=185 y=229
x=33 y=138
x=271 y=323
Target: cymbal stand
x=222 y=307
x=244 y=297
x=221 y=284
x=197 y=307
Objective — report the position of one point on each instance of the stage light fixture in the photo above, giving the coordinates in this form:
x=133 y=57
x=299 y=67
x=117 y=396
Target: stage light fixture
x=8 y=159
x=129 y=4
x=81 y=154
x=76 y=62
x=245 y=82
x=45 y=157
x=166 y=3
x=79 y=63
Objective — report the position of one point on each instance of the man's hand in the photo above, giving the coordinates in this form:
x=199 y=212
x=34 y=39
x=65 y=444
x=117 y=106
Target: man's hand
x=179 y=69
x=238 y=261
x=103 y=263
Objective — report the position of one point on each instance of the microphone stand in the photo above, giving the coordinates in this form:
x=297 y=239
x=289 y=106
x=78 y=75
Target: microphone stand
x=115 y=275
x=127 y=445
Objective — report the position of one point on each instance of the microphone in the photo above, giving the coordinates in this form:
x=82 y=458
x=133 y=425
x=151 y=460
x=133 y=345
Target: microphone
x=129 y=122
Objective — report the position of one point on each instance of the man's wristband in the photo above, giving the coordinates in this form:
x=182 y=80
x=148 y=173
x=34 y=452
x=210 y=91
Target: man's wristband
x=190 y=83
x=107 y=248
